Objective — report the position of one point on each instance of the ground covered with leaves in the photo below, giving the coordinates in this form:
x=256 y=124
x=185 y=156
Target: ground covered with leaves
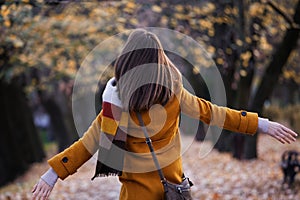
x=216 y=177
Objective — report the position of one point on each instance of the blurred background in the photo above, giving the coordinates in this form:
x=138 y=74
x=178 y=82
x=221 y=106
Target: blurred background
x=254 y=43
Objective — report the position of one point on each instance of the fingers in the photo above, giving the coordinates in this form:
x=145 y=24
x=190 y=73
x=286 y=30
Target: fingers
x=44 y=194
x=292 y=133
x=48 y=193
x=282 y=133
x=41 y=191
x=289 y=137
x=287 y=134
x=34 y=188
x=277 y=137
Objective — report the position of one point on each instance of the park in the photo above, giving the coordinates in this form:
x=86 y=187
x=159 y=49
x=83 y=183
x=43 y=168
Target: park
x=57 y=56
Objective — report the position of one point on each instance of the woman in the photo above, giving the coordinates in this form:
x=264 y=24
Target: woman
x=146 y=81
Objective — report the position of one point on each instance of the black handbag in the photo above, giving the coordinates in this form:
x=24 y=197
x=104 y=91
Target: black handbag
x=172 y=191
x=180 y=191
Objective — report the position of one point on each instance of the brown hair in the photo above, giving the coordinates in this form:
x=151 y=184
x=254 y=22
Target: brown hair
x=145 y=75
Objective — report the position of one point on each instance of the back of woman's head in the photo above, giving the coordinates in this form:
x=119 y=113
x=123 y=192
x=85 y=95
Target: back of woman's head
x=144 y=73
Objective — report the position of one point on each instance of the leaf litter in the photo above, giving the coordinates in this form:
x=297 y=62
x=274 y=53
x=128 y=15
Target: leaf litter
x=217 y=176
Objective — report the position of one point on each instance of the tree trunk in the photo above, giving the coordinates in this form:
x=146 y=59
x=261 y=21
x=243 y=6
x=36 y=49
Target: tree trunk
x=224 y=38
x=244 y=148
x=243 y=96
x=60 y=131
x=20 y=144
x=274 y=69
x=58 y=108
x=271 y=76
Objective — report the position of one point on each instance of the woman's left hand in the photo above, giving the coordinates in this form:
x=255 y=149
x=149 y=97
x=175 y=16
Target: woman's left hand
x=281 y=133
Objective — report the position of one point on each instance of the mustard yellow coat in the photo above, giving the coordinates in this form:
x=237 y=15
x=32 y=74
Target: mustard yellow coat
x=140 y=180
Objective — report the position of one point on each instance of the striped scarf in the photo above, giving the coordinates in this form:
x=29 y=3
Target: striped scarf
x=113 y=133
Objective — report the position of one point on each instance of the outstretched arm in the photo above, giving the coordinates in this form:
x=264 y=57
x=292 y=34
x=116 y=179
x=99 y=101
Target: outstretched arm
x=68 y=161
x=239 y=121
x=233 y=120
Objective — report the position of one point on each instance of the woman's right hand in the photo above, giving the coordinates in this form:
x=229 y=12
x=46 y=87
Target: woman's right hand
x=41 y=190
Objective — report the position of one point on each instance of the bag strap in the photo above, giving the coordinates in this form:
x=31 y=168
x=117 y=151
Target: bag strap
x=149 y=143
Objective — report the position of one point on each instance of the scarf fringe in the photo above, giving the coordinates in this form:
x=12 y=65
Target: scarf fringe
x=112 y=156
x=103 y=170
x=107 y=175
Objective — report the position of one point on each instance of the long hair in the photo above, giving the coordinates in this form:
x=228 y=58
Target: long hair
x=145 y=75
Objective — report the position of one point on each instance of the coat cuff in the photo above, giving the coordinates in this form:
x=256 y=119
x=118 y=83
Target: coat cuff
x=67 y=162
x=248 y=122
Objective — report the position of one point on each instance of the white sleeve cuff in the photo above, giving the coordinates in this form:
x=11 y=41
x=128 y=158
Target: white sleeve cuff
x=263 y=125
x=50 y=177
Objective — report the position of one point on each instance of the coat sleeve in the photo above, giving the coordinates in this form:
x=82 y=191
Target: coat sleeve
x=230 y=119
x=68 y=161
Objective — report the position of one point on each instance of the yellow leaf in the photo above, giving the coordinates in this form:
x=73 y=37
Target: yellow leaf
x=282 y=27
x=120 y=28
x=7 y=23
x=128 y=10
x=235 y=11
x=220 y=61
x=156 y=9
x=205 y=24
x=121 y=20
x=131 y=5
x=246 y=56
x=256 y=26
x=264 y=44
x=248 y=40
x=134 y=21
x=239 y=42
x=180 y=16
x=208 y=8
x=72 y=64
x=255 y=38
x=92 y=29
x=164 y=20
x=17 y=42
x=4 y=11
x=256 y=9
x=243 y=73
x=229 y=51
x=227 y=10
x=193 y=22
x=211 y=33
x=179 y=8
x=211 y=49
x=197 y=10
x=287 y=74
x=174 y=22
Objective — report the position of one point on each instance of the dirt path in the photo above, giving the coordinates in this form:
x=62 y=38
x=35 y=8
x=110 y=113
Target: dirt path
x=216 y=177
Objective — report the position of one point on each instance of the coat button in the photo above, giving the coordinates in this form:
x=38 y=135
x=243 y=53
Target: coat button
x=65 y=159
x=244 y=113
